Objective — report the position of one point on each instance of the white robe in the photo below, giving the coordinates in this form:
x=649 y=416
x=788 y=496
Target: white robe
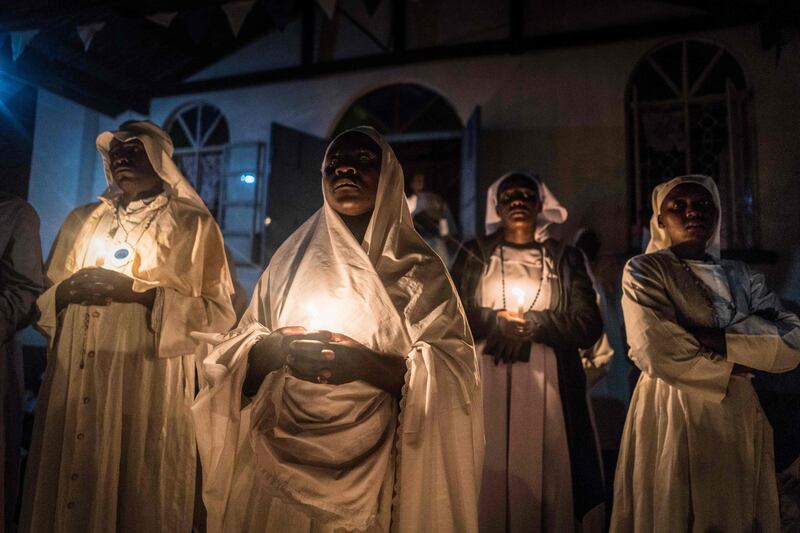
x=113 y=446
x=308 y=457
x=527 y=480
x=696 y=453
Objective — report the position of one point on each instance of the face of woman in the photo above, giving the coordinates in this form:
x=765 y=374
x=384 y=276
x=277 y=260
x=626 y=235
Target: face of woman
x=688 y=215
x=352 y=170
x=131 y=169
x=518 y=204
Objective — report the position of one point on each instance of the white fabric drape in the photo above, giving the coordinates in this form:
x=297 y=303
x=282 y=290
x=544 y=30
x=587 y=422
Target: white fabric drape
x=113 y=446
x=314 y=457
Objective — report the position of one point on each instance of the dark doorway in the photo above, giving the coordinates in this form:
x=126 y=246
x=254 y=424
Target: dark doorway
x=294 y=190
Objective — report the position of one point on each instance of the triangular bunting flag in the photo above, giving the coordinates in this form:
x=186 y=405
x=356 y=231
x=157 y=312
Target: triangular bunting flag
x=87 y=33
x=328 y=6
x=163 y=18
x=20 y=40
x=237 y=12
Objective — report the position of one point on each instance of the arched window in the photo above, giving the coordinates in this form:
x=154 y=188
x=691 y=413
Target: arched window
x=689 y=108
x=402 y=108
x=200 y=134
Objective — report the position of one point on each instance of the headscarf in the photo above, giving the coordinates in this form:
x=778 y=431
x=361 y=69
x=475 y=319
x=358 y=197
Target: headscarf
x=159 y=148
x=659 y=239
x=552 y=211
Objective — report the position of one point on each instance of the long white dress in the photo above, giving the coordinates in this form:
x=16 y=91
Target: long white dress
x=113 y=446
x=308 y=457
x=527 y=484
x=696 y=453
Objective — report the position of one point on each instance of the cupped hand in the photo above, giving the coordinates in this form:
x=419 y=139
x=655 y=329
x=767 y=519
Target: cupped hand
x=328 y=358
x=515 y=327
x=99 y=286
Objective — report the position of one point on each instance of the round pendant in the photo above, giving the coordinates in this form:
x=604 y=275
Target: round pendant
x=121 y=254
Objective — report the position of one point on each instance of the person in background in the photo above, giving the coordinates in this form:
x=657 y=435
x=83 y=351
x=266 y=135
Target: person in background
x=696 y=453
x=432 y=217
x=531 y=307
x=21 y=282
x=348 y=398
x=611 y=350
x=130 y=278
x=597 y=358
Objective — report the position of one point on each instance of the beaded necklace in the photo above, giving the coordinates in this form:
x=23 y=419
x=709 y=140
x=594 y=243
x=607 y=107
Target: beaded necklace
x=705 y=290
x=122 y=249
x=503 y=280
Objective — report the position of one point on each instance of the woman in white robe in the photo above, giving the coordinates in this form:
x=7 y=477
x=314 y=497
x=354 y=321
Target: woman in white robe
x=696 y=453
x=329 y=447
x=531 y=304
x=113 y=446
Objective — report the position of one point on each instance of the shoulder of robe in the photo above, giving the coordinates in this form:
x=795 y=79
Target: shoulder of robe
x=295 y=242
x=80 y=214
x=9 y=201
x=572 y=256
x=472 y=245
x=17 y=211
x=737 y=267
x=189 y=216
x=648 y=265
x=486 y=244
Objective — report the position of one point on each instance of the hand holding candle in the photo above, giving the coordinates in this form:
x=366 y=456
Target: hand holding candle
x=513 y=323
x=99 y=286
x=326 y=357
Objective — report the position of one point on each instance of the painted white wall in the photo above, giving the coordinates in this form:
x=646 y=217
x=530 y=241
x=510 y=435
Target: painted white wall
x=62 y=167
x=560 y=112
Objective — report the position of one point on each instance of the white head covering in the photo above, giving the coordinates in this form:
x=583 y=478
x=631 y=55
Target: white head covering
x=552 y=211
x=158 y=146
x=659 y=239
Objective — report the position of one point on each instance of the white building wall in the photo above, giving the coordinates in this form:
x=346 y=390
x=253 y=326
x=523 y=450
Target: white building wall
x=560 y=112
x=62 y=167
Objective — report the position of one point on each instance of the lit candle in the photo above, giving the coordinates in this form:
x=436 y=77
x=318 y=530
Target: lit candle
x=97 y=247
x=314 y=320
x=519 y=294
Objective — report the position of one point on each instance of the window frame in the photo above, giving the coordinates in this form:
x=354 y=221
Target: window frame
x=740 y=215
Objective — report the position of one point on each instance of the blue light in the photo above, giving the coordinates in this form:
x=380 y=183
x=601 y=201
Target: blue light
x=247 y=178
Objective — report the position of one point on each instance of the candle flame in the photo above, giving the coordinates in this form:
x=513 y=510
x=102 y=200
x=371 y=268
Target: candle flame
x=314 y=321
x=519 y=294
x=98 y=250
